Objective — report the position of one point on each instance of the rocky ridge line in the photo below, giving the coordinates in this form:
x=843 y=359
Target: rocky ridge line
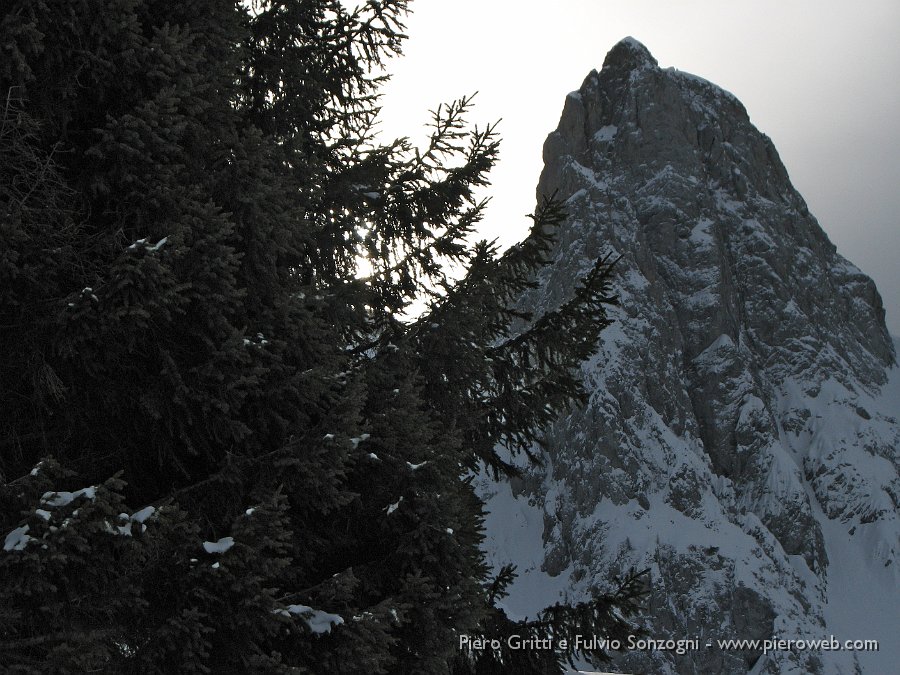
x=741 y=428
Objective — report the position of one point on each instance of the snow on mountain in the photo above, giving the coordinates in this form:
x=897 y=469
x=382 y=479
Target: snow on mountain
x=741 y=438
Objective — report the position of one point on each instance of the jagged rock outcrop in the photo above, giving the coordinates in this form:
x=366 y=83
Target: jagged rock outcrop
x=741 y=437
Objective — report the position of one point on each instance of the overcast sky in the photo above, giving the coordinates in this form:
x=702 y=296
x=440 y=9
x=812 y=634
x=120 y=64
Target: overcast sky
x=820 y=78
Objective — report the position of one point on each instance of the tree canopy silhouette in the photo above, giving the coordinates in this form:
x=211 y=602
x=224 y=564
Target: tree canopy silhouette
x=223 y=447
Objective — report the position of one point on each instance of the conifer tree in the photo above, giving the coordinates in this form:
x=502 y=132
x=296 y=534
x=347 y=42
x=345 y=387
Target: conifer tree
x=222 y=450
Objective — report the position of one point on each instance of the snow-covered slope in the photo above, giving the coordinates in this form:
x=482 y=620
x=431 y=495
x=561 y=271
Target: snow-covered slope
x=741 y=438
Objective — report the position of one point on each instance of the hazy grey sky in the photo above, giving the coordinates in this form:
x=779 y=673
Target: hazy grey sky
x=820 y=78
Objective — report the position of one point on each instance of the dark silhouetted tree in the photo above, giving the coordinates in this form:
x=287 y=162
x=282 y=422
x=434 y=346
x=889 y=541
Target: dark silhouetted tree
x=223 y=449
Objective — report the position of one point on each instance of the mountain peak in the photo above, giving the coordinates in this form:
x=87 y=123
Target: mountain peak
x=629 y=53
x=740 y=437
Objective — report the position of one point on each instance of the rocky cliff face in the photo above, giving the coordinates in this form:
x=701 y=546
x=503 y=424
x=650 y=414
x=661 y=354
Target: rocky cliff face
x=741 y=438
